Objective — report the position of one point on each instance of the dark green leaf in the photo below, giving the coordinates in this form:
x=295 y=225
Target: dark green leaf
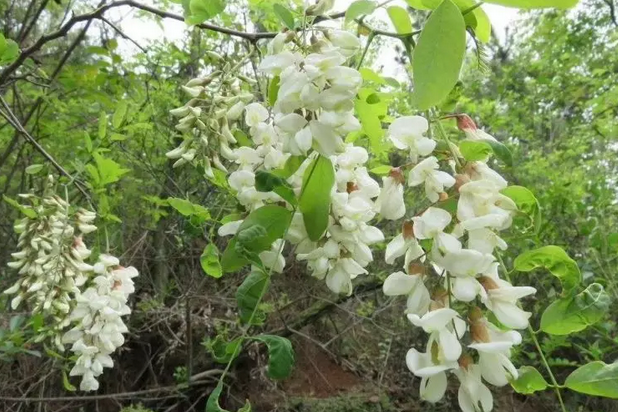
x=439 y=54
x=249 y=295
x=268 y=182
x=595 y=378
x=554 y=259
x=26 y=210
x=272 y=219
x=34 y=169
x=572 y=314
x=314 y=202
x=501 y=151
x=280 y=355
x=66 y=384
x=212 y=405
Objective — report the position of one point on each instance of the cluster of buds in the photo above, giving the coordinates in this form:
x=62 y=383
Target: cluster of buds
x=208 y=120
x=51 y=259
x=98 y=320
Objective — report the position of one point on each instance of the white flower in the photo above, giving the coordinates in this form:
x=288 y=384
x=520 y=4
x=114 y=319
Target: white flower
x=400 y=246
x=347 y=43
x=339 y=278
x=407 y=132
x=275 y=64
x=433 y=376
x=481 y=197
x=473 y=395
x=241 y=179
x=344 y=78
x=327 y=141
x=502 y=297
x=399 y=283
x=229 y=228
x=255 y=113
x=431 y=225
x=438 y=322
x=390 y=202
x=273 y=258
x=435 y=180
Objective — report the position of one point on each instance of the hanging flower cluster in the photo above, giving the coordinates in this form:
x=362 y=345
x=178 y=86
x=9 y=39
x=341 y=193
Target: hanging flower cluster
x=208 y=120
x=50 y=259
x=99 y=326
x=312 y=115
x=459 y=249
x=56 y=281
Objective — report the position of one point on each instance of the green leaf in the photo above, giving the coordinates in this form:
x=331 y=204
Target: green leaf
x=572 y=314
x=554 y=259
x=314 y=202
x=212 y=405
x=34 y=169
x=268 y=182
x=66 y=384
x=280 y=355
x=284 y=15
x=536 y=4
x=119 y=114
x=202 y=10
x=249 y=294
x=9 y=51
x=102 y=125
x=359 y=8
x=401 y=19
x=210 y=261
x=596 y=378
x=15 y=322
x=221 y=350
x=108 y=171
x=26 y=210
x=501 y=151
x=439 y=55
x=273 y=219
x=273 y=90
x=88 y=142
x=474 y=150
x=529 y=381
x=526 y=202
x=382 y=170
x=189 y=209
x=291 y=166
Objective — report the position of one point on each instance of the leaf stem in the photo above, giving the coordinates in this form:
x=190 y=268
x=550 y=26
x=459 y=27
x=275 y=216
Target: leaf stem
x=548 y=368
x=442 y=133
x=370 y=38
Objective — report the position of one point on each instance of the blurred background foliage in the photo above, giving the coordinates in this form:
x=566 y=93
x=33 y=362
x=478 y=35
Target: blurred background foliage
x=549 y=91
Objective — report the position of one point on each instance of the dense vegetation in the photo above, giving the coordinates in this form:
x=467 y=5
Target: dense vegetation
x=85 y=103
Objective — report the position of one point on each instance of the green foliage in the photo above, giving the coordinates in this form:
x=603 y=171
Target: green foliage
x=284 y=15
x=210 y=261
x=529 y=381
x=314 y=203
x=280 y=355
x=536 y=4
x=249 y=295
x=272 y=219
x=268 y=182
x=202 y=10
x=189 y=209
x=9 y=50
x=573 y=314
x=475 y=150
x=212 y=405
x=401 y=19
x=526 y=202
x=595 y=378
x=359 y=8
x=438 y=55
x=555 y=260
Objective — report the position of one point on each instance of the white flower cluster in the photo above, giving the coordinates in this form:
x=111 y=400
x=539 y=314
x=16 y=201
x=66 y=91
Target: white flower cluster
x=312 y=115
x=50 y=260
x=461 y=253
x=98 y=317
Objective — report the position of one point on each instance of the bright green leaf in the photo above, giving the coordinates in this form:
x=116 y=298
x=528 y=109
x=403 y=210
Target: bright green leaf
x=555 y=260
x=568 y=315
x=210 y=261
x=273 y=90
x=188 y=209
x=202 y=10
x=359 y=8
x=529 y=381
x=382 y=170
x=102 y=125
x=595 y=378
x=474 y=150
x=401 y=19
x=66 y=384
x=26 y=210
x=280 y=355
x=314 y=202
x=536 y=4
x=439 y=55
x=212 y=405
x=34 y=169
x=9 y=50
x=120 y=114
x=526 y=202
x=284 y=15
